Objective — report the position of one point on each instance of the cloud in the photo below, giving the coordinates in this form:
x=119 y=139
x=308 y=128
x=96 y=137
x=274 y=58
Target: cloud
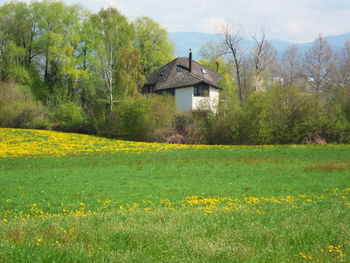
x=293 y=28
x=213 y=24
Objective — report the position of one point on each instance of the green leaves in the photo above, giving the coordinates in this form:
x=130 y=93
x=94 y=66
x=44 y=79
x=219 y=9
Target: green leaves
x=67 y=54
x=152 y=41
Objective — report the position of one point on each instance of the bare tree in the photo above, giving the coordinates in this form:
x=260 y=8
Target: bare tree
x=211 y=51
x=263 y=55
x=319 y=65
x=290 y=69
x=344 y=66
x=231 y=45
x=247 y=74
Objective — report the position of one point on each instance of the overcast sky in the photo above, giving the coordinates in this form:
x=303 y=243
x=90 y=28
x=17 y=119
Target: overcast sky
x=291 y=20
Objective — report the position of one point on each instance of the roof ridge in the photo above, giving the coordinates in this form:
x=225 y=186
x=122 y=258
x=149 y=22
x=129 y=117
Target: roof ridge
x=174 y=60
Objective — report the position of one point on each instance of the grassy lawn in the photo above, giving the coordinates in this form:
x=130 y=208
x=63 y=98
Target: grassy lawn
x=77 y=198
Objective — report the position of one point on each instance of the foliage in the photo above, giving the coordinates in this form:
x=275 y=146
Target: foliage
x=288 y=115
x=111 y=34
x=18 y=109
x=132 y=118
x=62 y=51
x=160 y=118
x=70 y=117
x=79 y=65
x=153 y=42
x=143 y=118
x=130 y=73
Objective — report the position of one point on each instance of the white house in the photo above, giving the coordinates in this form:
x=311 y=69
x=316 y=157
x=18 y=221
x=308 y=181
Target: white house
x=193 y=85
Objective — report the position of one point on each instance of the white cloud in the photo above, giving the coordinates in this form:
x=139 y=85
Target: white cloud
x=213 y=24
x=293 y=28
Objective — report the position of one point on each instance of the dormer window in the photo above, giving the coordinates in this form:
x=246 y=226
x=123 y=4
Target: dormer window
x=204 y=71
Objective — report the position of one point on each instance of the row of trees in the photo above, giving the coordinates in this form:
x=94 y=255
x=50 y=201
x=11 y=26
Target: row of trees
x=66 y=54
x=293 y=97
x=64 y=68
x=320 y=69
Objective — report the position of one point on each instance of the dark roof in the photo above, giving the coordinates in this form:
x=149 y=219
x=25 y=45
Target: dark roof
x=169 y=77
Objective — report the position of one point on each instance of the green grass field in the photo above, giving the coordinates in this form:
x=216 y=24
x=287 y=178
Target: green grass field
x=73 y=203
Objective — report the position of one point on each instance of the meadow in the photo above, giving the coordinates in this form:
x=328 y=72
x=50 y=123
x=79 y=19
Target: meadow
x=80 y=198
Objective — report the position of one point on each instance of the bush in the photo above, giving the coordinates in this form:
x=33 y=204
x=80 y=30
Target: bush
x=18 y=109
x=98 y=117
x=254 y=127
x=148 y=118
x=70 y=117
x=128 y=119
x=224 y=126
x=289 y=115
x=160 y=119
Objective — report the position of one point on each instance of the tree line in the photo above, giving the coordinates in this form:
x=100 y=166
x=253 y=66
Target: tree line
x=319 y=69
x=292 y=97
x=65 y=53
x=64 y=68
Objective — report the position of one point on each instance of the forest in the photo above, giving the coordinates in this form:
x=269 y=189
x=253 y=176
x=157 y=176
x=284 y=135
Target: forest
x=67 y=69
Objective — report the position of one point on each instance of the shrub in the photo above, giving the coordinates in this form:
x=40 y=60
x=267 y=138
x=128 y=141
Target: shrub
x=147 y=118
x=224 y=126
x=130 y=118
x=160 y=119
x=98 y=117
x=289 y=115
x=254 y=127
x=70 y=117
x=18 y=109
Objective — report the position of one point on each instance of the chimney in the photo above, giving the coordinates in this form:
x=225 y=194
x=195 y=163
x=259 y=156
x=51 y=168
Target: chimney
x=190 y=61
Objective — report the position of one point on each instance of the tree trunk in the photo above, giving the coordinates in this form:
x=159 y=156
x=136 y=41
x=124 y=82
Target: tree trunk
x=110 y=83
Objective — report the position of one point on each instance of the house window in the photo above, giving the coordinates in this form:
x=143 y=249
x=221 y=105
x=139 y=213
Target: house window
x=201 y=90
x=170 y=92
x=179 y=69
x=149 y=89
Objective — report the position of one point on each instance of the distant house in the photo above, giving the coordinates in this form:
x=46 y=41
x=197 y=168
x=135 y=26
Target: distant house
x=193 y=85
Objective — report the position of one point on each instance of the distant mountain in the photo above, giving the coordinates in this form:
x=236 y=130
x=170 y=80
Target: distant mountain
x=195 y=40
x=338 y=41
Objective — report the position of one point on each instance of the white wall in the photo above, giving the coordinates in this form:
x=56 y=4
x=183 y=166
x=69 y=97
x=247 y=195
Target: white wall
x=184 y=97
x=207 y=103
x=185 y=100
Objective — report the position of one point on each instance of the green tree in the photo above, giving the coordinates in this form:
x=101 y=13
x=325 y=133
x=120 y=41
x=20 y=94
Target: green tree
x=130 y=73
x=153 y=42
x=13 y=42
x=68 y=49
x=111 y=35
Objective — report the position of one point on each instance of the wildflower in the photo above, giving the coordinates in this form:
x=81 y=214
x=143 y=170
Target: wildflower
x=208 y=212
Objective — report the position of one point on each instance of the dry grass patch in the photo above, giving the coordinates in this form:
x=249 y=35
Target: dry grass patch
x=328 y=167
